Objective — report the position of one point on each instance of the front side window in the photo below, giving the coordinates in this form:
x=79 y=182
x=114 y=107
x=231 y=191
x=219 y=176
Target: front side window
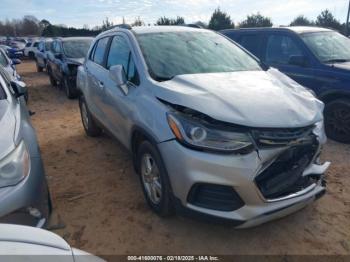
x=329 y=46
x=120 y=54
x=36 y=44
x=176 y=53
x=100 y=50
x=48 y=46
x=76 y=48
x=252 y=43
x=280 y=48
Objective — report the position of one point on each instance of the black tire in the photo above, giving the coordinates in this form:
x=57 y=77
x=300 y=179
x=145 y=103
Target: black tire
x=39 y=69
x=165 y=206
x=90 y=126
x=337 y=120
x=31 y=55
x=70 y=91
x=53 y=81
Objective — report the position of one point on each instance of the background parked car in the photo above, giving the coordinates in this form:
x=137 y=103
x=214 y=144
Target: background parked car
x=66 y=56
x=24 y=195
x=41 y=54
x=22 y=243
x=9 y=65
x=30 y=49
x=316 y=58
x=12 y=52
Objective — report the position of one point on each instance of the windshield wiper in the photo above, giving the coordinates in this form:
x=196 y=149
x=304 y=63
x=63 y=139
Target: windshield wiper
x=337 y=60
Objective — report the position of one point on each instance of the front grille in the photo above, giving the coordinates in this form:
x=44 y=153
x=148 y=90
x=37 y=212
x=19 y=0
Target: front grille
x=284 y=175
x=285 y=136
x=216 y=197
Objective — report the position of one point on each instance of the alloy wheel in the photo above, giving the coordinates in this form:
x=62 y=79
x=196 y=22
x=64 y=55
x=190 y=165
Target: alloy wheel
x=151 y=178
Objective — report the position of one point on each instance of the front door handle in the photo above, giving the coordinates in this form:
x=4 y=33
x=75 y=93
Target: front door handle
x=101 y=84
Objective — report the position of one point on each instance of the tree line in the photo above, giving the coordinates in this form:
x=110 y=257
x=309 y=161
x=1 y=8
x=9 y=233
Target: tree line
x=31 y=26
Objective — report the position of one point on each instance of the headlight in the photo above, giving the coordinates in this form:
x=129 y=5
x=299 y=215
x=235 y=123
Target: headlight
x=15 y=166
x=195 y=134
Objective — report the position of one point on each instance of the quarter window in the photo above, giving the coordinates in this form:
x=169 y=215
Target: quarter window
x=120 y=54
x=280 y=48
x=100 y=50
x=3 y=60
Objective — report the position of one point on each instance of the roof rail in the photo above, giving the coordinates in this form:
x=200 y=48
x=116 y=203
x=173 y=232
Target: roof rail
x=124 y=26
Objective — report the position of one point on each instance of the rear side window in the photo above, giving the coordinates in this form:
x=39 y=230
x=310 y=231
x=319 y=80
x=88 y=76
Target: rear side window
x=100 y=51
x=28 y=44
x=48 y=46
x=252 y=43
x=120 y=54
x=280 y=48
x=36 y=44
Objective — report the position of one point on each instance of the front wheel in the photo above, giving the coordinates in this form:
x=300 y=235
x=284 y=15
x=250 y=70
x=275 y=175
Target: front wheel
x=337 y=120
x=154 y=179
x=90 y=126
x=53 y=81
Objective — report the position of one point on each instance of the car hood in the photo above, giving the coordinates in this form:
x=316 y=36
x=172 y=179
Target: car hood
x=77 y=61
x=248 y=98
x=7 y=130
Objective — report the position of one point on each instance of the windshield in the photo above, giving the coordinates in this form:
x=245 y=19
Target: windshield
x=328 y=47
x=76 y=48
x=176 y=53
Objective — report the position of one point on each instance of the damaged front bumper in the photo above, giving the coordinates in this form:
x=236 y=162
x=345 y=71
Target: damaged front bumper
x=248 y=189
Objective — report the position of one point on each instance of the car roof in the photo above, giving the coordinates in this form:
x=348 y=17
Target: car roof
x=64 y=39
x=152 y=29
x=295 y=29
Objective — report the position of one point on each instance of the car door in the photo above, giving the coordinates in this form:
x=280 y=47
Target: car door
x=285 y=52
x=40 y=54
x=95 y=68
x=58 y=61
x=117 y=105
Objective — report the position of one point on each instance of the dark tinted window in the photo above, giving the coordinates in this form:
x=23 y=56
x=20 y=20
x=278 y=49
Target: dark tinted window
x=48 y=46
x=28 y=44
x=120 y=54
x=36 y=44
x=252 y=43
x=280 y=48
x=100 y=50
x=2 y=93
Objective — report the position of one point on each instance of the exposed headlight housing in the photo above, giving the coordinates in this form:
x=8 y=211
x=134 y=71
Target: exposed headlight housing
x=194 y=134
x=15 y=166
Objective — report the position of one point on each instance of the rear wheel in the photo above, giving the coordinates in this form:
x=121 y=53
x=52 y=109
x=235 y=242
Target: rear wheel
x=154 y=179
x=71 y=93
x=53 y=81
x=337 y=120
x=38 y=67
x=31 y=55
x=90 y=126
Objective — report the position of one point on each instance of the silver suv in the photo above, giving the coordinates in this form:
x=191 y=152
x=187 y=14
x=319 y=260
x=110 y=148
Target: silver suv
x=211 y=130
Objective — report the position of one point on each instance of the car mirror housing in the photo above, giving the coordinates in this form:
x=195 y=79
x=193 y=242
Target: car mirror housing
x=117 y=74
x=19 y=88
x=298 y=60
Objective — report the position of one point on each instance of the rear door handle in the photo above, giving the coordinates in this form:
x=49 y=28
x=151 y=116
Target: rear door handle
x=101 y=84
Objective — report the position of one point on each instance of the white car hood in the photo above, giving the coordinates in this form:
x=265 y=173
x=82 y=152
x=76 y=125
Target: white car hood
x=7 y=128
x=248 y=98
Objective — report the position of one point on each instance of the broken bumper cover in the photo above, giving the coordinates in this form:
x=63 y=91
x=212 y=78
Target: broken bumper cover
x=26 y=203
x=237 y=172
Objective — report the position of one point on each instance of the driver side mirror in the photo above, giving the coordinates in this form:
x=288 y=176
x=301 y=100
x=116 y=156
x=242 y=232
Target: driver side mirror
x=297 y=60
x=117 y=74
x=19 y=88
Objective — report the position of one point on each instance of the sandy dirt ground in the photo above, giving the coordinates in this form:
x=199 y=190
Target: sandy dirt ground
x=99 y=206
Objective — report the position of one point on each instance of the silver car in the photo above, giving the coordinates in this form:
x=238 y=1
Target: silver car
x=24 y=196
x=212 y=131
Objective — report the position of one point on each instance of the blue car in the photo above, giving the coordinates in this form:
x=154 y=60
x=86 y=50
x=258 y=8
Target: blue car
x=316 y=58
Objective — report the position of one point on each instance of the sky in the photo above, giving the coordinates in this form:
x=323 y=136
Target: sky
x=78 y=13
